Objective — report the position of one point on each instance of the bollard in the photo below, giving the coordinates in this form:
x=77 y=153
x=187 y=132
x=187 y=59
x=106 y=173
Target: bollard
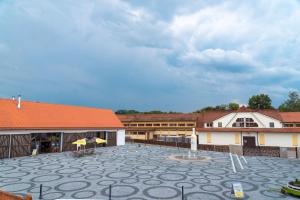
x=182 y=193
x=41 y=192
x=109 y=192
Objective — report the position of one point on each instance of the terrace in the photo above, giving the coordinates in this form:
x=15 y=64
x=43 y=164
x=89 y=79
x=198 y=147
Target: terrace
x=146 y=172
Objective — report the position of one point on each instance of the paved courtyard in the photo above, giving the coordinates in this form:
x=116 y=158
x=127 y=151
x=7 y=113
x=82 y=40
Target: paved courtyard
x=145 y=172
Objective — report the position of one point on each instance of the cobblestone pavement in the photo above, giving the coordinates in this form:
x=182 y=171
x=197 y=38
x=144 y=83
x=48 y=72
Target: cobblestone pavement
x=145 y=172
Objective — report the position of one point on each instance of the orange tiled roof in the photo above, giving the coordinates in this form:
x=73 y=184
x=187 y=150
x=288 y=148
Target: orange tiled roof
x=290 y=117
x=35 y=115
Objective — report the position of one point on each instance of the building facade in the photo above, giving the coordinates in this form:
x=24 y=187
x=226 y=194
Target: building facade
x=249 y=132
x=26 y=125
x=153 y=126
x=245 y=131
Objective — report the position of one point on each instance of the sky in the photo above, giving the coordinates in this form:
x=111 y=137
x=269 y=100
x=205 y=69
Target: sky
x=170 y=55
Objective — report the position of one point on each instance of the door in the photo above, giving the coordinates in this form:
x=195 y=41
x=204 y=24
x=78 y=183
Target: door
x=249 y=141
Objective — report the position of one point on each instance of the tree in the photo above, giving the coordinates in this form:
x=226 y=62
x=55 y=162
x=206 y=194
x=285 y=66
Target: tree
x=292 y=104
x=233 y=106
x=260 y=101
x=230 y=106
x=124 y=112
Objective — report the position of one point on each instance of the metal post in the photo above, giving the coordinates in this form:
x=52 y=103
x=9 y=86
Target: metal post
x=182 y=193
x=109 y=192
x=41 y=192
x=61 y=141
x=9 y=149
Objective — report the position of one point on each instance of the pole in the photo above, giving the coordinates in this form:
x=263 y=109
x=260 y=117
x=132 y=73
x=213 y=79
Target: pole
x=9 y=149
x=41 y=190
x=61 y=141
x=182 y=193
x=109 y=192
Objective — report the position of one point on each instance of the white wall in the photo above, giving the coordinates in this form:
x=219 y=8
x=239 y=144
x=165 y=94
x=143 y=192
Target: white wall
x=271 y=139
x=263 y=121
x=121 y=137
x=280 y=139
x=217 y=138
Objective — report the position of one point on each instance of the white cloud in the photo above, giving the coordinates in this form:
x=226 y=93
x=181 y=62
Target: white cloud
x=141 y=56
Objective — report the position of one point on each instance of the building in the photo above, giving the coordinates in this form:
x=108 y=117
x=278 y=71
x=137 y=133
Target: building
x=26 y=125
x=253 y=132
x=149 y=126
x=245 y=131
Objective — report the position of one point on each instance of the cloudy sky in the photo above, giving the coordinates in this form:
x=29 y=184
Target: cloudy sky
x=177 y=55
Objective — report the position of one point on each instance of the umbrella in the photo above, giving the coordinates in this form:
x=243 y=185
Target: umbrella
x=100 y=141
x=80 y=142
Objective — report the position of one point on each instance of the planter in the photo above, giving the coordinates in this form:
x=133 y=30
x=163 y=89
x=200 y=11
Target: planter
x=292 y=188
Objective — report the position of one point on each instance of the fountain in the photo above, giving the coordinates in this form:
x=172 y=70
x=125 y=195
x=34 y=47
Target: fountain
x=190 y=157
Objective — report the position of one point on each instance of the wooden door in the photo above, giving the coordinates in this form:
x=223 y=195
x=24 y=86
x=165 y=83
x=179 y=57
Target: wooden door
x=4 y=146
x=249 y=141
x=21 y=145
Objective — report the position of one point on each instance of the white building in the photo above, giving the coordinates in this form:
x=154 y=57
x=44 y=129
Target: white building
x=251 y=132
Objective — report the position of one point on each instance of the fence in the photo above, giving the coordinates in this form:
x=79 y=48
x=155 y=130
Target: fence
x=173 y=141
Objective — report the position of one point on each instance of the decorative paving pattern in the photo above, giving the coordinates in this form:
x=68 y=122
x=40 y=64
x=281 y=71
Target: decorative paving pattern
x=146 y=172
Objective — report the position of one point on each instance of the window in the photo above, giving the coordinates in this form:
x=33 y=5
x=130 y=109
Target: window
x=244 y=122
x=297 y=125
x=287 y=125
x=210 y=124
x=164 y=124
x=172 y=124
x=125 y=124
x=133 y=124
x=141 y=124
x=148 y=124
x=190 y=124
x=181 y=124
x=272 y=125
x=141 y=133
x=219 y=124
x=156 y=124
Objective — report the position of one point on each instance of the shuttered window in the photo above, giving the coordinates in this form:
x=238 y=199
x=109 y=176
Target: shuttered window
x=261 y=139
x=237 y=138
x=208 y=137
x=295 y=139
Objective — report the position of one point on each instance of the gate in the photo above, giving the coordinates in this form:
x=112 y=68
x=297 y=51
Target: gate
x=21 y=145
x=4 y=146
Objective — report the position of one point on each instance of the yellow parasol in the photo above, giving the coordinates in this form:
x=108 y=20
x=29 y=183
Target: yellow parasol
x=100 y=141
x=80 y=142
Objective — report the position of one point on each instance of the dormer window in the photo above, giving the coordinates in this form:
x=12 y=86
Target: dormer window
x=219 y=124
x=272 y=125
x=244 y=122
x=210 y=124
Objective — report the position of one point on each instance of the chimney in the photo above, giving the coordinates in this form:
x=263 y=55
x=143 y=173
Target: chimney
x=19 y=101
x=13 y=98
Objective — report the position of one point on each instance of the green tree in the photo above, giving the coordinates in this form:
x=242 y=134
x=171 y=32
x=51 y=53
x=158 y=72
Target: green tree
x=124 y=112
x=154 y=112
x=233 y=106
x=292 y=104
x=260 y=101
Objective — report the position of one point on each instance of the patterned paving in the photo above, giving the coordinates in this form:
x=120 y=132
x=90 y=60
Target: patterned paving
x=145 y=172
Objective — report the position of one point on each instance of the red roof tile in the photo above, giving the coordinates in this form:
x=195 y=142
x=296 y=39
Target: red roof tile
x=35 y=115
x=290 y=117
x=260 y=130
